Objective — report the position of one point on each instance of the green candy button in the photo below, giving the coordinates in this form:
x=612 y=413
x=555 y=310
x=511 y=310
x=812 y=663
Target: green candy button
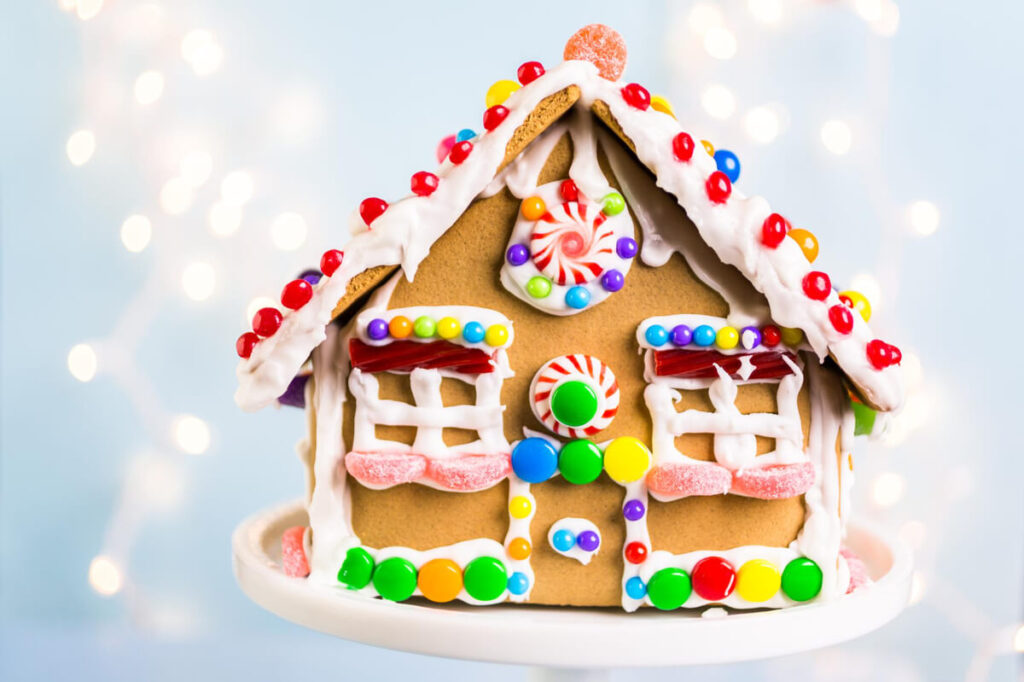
x=485 y=578
x=357 y=568
x=395 y=579
x=864 y=419
x=574 y=403
x=580 y=462
x=801 y=580
x=669 y=588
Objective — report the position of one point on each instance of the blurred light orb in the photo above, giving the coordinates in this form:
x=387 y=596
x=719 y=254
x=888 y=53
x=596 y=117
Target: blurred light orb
x=236 y=188
x=718 y=101
x=913 y=371
x=288 y=231
x=136 y=232
x=720 y=43
x=82 y=362
x=918 y=587
x=887 y=489
x=1018 y=639
x=80 y=147
x=923 y=217
x=68 y=5
x=158 y=480
x=196 y=167
x=297 y=115
x=888 y=21
x=762 y=124
x=201 y=51
x=87 y=9
x=868 y=284
x=257 y=304
x=914 y=533
x=224 y=219
x=105 y=576
x=191 y=434
x=868 y=10
x=149 y=86
x=703 y=17
x=837 y=136
x=175 y=196
x=765 y=11
x=199 y=280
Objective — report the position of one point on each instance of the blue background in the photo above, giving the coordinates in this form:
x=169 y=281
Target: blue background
x=935 y=112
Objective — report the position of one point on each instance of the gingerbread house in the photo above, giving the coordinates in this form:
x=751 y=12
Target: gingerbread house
x=575 y=367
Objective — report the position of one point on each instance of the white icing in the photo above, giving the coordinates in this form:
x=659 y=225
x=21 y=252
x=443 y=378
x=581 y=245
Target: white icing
x=520 y=528
x=575 y=526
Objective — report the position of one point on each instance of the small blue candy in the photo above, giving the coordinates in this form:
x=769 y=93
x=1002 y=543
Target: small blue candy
x=465 y=134
x=728 y=163
x=577 y=297
x=704 y=335
x=635 y=588
x=473 y=332
x=518 y=583
x=656 y=335
x=563 y=540
x=534 y=460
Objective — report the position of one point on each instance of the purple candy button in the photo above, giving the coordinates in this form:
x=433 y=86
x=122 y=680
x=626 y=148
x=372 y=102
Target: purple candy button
x=377 y=329
x=517 y=254
x=625 y=247
x=633 y=510
x=295 y=394
x=681 y=335
x=311 y=276
x=613 y=280
x=588 y=540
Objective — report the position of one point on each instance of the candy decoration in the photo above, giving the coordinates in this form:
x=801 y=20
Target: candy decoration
x=448 y=328
x=572 y=244
x=719 y=188
x=465 y=134
x=494 y=116
x=801 y=579
x=444 y=147
x=728 y=163
x=400 y=326
x=791 y=336
x=727 y=338
x=423 y=184
x=575 y=395
x=485 y=578
x=659 y=103
x=773 y=230
x=296 y=294
x=533 y=208
x=771 y=336
x=517 y=254
x=757 y=581
x=383 y=469
x=580 y=461
x=817 y=285
x=882 y=354
x=424 y=327
x=460 y=152
x=331 y=261
x=577 y=297
x=534 y=460
x=669 y=588
x=473 y=332
x=499 y=92
x=633 y=510
x=518 y=583
x=626 y=459
x=635 y=552
x=681 y=335
x=538 y=286
x=496 y=335
x=563 y=540
x=311 y=275
x=440 y=580
x=588 y=541
x=601 y=46
x=713 y=578
x=857 y=301
x=656 y=335
x=574 y=403
x=807 y=241
x=245 y=344
x=519 y=549
x=356 y=569
x=864 y=419
x=682 y=146
x=625 y=247
x=295 y=394
x=529 y=72
x=293 y=552
x=704 y=335
x=569 y=190
x=519 y=507
x=395 y=579
x=635 y=588
x=684 y=479
x=266 y=321
x=377 y=329
x=750 y=338
x=469 y=473
x=636 y=96
x=372 y=208
x=708 y=147
x=613 y=280
x=613 y=204
x=841 y=318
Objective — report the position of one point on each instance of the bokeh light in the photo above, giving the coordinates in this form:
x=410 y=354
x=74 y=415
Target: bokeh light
x=176 y=196
x=923 y=217
x=837 y=137
x=149 y=86
x=105 y=576
x=887 y=489
x=198 y=280
x=82 y=362
x=136 y=232
x=224 y=219
x=196 y=167
x=288 y=231
x=718 y=101
x=191 y=434
x=720 y=42
x=762 y=124
x=80 y=147
x=236 y=188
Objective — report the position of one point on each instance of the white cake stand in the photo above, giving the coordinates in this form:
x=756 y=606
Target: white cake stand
x=579 y=641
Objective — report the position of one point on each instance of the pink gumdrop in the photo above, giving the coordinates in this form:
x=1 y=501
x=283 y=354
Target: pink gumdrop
x=774 y=482
x=471 y=472
x=858 y=571
x=384 y=469
x=293 y=552
x=444 y=147
x=601 y=46
x=682 y=479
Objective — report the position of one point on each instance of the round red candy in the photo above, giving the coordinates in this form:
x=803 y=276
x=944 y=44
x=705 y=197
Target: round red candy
x=601 y=46
x=771 y=336
x=719 y=188
x=882 y=354
x=296 y=294
x=331 y=261
x=494 y=116
x=774 y=230
x=423 y=184
x=636 y=552
x=460 y=152
x=682 y=146
x=266 y=321
x=817 y=285
x=245 y=343
x=636 y=96
x=841 y=318
x=371 y=208
x=569 y=190
x=713 y=578
x=529 y=72
x=896 y=354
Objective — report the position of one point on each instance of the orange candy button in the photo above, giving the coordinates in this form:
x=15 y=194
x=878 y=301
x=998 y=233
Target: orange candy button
x=807 y=241
x=519 y=549
x=533 y=208
x=400 y=326
x=440 y=580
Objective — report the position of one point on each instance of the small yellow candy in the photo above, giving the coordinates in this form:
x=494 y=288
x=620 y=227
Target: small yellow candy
x=519 y=507
x=708 y=147
x=500 y=91
x=727 y=337
x=448 y=328
x=807 y=241
x=791 y=336
x=659 y=103
x=626 y=459
x=859 y=302
x=758 y=580
x=497 y=335
x=533 y=208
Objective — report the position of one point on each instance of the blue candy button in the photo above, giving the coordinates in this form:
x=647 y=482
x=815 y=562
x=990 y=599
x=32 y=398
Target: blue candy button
x=534 y=460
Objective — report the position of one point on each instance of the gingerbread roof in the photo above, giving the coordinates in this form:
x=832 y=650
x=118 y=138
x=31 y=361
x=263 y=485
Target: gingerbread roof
x=742 y=231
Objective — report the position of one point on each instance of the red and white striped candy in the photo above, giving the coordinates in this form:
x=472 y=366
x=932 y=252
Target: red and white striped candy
x=579 y=367
x=571 y=243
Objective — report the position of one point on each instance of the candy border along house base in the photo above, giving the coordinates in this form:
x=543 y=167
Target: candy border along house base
x=676 y=374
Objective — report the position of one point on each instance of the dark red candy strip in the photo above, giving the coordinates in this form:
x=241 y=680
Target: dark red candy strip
x=405 y=356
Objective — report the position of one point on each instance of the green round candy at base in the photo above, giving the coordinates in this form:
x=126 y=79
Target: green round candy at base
x=485 y=578
x=669 y=588
x=864 y=419
x=357 y=568
x=580 y=462
x=613 y=204
x=424 y=327
x=574 y=403
x=801 y=579
x=395 y=579
x=538 y=287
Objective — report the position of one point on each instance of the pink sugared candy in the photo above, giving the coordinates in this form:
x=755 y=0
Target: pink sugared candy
x=383 y=469
x=444 y=147
x=471 y=472
x=293 y=552
x=684 y=479
x=774 y=482
x=601 y=46
x=858 y=571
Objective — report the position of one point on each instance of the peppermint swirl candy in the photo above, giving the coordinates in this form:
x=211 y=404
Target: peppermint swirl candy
x=571 y=243
x=575 y=395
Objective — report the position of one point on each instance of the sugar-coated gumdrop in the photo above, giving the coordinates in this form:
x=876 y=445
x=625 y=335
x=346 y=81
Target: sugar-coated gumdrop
x=601 y=46
x=801 y=579
x=245 y=344
x=485 y=578
x=858 y=571
x=713 y=578
x=669 y=588
x=494 y=116
x=423 y=184
x=529 y=72
x=534 y=460
x=440 y=580
x=500 y=91
x=296 y=294
x=719 y=188
x=636 y=96
x=331 y=261
x=444 y=147
x=469 y=473
x=380 y=469
x=841 y=318
x=293 y=552
x=266 y=321
x=689 y=478
x=817 y=285
x=580 y=462
x=460 y=152
x=807 y=241
x=757 y=581
x=774 y=482
x=372 y=208
x=356 y=569
x=395 y=579
x=682 y=146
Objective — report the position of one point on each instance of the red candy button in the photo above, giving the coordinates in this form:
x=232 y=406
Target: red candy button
x=774 y=230
x=636 y=552
x=296 y=294
x=682 y=146
x=713 y=578
x=494 y=116
x=841 y=318
x=636 y=96
x=529 y=72
x=331 y=261
x=371 y=208
x=719 y=188
x=266 y=321
x=245 y=343
x=817 y=285
x=460 y=152
x=423 y=183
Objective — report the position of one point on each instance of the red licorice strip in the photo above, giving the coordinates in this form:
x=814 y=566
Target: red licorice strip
x=700 y=364
x=405 y=356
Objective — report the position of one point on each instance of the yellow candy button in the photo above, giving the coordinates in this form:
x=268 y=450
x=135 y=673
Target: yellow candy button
x=497 y=335
x=791 y=336
x=659 y=103
x=708 y=147
x=519 y=507
x=440 y=580
x=727 y=337
x=448 y=328
x=626 y=459
x=758 y=580
x=859 y=301
x=499 y=92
